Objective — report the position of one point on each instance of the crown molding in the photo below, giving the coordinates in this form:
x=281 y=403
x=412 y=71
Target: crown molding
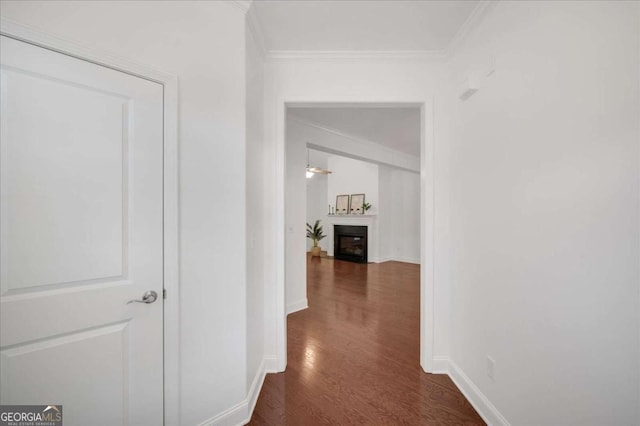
x=255 y=30
x=243 y=5
x=472 y=21
x=412 y=55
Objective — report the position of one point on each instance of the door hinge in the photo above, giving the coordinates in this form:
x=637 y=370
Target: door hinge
x=164 y=293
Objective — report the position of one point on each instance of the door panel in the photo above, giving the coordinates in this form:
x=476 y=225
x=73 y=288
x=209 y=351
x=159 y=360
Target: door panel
x=61 y=176
x=78 y=361
x=80 y=235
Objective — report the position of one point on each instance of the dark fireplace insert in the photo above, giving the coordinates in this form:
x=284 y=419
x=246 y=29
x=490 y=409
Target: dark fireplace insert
x=350 y=243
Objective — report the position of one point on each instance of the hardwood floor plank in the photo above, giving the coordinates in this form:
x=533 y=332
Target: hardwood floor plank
x=354 y=355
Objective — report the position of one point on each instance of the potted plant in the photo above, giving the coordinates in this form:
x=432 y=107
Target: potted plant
x=315 y=234
x=365 y=207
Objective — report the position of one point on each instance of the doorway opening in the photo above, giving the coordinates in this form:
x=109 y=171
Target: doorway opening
x=318 y=135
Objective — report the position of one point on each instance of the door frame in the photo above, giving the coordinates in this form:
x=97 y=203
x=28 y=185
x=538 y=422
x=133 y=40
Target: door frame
x=169 y=82
x=427 y=216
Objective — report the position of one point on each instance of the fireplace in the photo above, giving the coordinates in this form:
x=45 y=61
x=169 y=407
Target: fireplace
x=350 y=243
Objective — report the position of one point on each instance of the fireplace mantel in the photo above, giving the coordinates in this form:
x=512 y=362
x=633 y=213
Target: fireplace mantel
x=368 y=220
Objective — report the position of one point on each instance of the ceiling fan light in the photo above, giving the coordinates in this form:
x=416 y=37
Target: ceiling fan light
x=314 y=170
x=318 y=170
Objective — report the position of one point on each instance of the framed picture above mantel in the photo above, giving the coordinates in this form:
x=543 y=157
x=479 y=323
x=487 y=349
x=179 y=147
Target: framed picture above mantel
x=357 y=203
x=342 y=204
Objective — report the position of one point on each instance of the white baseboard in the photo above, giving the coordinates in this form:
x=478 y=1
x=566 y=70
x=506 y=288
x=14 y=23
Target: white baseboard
x=440 y=365
x=241 y=413
x=271 y=365
x=297 y=306
x=396 y=259
x=254 y=390
x=234 y=416
x=480 y=402
x=407 y=260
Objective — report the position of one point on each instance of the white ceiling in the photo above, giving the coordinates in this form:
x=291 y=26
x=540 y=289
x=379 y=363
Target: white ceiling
x=396 y=128
x=346 y=25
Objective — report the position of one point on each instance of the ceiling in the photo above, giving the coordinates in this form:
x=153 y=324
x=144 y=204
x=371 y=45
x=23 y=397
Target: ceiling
x=346 y=25
x=395 y=128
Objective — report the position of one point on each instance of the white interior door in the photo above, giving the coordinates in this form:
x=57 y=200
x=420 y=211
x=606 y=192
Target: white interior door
x=80 y=235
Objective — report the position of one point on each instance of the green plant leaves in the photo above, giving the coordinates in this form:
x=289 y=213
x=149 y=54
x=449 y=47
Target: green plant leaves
x=315 y=232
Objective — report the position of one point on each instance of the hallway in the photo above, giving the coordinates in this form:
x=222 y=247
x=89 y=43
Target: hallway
x=353 y=355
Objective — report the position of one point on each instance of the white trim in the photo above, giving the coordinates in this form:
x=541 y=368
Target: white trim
x=270 y=364
x=440 y=365
x=405 y=260
x=297 y=306
x=172 y=345
x=240 y=414
x=254 y=390
x=170 y=171
x=427 y=235
x=256 y=32
x=396 y=259
x=478 y=400
x=638 y=18
x=472 y=21
x=230 y=417
x=280 y=254
x=243 y=5
x=484 y=407
x=427 y=225
x=332 y=55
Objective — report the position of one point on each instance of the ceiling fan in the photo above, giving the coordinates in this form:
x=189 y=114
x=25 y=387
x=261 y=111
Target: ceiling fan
x=315 y=170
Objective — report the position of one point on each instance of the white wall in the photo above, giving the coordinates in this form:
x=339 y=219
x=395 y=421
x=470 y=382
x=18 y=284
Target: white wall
x=255 y=207
x=203 y=43
x=406 y=202
x=399 y=215
x=386 y=218
x=351 y=176
x=545 y=208
x=317 y=206
x=295 y=219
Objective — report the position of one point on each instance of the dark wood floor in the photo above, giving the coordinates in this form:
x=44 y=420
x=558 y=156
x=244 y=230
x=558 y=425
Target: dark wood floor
x=353 y=356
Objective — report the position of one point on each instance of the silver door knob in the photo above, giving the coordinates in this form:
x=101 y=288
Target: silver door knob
x=148 y=297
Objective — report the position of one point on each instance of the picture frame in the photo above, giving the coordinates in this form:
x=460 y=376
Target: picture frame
x=342 y=204
x=355 y=207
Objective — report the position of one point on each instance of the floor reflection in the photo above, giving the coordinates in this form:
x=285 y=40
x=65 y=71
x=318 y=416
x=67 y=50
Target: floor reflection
x=353 y=355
